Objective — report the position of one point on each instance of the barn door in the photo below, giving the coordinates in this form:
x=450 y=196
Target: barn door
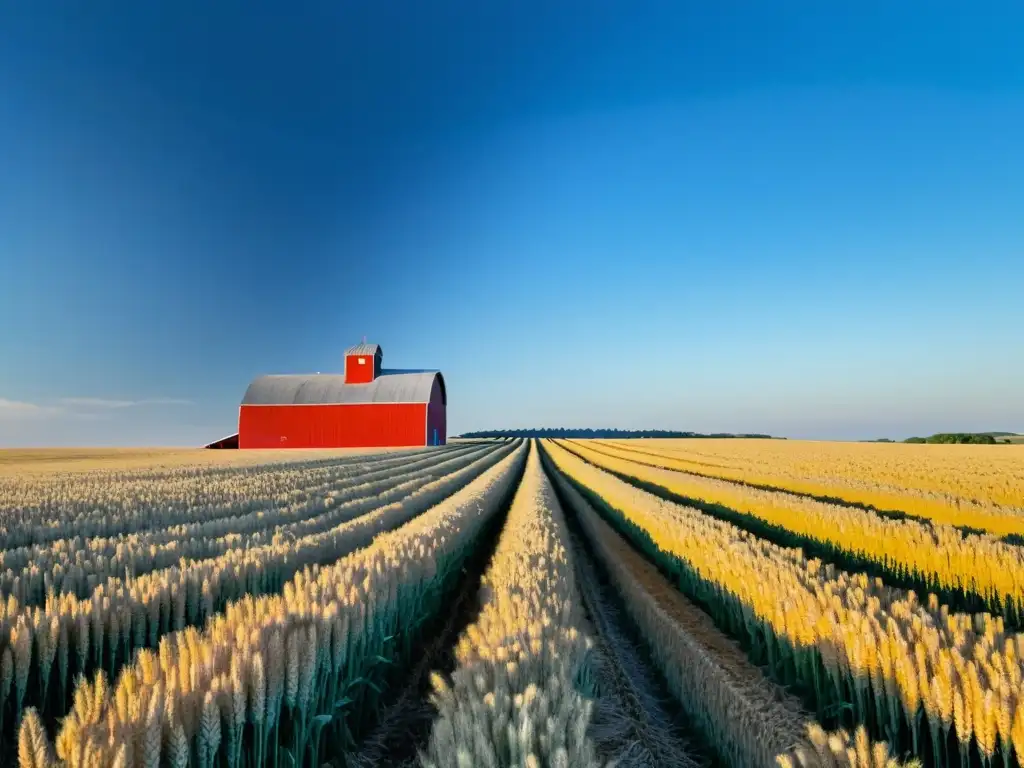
x=435 y=436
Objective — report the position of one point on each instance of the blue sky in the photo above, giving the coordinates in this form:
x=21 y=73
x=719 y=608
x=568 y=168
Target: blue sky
x=779 y=217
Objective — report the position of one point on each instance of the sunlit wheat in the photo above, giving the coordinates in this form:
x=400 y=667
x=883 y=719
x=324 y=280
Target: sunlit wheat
x=316 y=648
x=989 y=569
x=974 y=485
x=519 y=693
x=855 y=642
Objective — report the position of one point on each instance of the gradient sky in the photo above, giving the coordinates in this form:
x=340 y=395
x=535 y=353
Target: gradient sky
x=787 y=217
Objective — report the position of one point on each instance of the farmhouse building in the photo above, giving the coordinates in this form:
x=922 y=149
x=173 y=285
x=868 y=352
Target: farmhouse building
x=367 y=406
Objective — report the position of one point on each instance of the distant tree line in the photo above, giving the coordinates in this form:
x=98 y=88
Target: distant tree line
x=963 y=438
x=603 y=434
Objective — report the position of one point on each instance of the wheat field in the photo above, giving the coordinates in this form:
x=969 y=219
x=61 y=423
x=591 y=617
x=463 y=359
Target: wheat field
x=965 y=485
x=514 y=603
x=42 y=461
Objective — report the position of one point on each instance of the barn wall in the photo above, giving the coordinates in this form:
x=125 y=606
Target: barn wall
x=437 y=415
x=332 y=426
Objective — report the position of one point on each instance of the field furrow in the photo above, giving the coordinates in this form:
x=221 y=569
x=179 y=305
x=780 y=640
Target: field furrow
x=944 y=685
x=646 y=727
x=289 y=679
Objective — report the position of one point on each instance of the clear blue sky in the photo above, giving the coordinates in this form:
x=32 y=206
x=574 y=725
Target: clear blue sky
x=788 y=217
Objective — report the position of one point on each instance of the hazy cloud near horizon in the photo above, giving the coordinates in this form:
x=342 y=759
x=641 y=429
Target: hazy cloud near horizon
x=14 y=413
x=82 y=421
x=15 y=409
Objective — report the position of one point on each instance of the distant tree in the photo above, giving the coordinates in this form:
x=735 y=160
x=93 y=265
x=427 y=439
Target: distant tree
x=950 y=438
x=955 y=438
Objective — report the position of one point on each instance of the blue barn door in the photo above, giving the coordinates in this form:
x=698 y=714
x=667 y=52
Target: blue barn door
x=435 y=437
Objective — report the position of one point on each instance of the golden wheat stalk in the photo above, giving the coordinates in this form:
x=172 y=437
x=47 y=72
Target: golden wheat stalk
x=983 y=564
x=205 y=679
x=964 y=485
x=819 y=621
x=511 y=698
x=123 y=615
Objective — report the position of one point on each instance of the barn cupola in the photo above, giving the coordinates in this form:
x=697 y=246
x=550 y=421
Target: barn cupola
x=363 y=363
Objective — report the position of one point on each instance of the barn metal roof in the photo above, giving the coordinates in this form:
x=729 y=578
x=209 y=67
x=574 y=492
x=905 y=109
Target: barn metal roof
x=364 y=349
x=330 y=388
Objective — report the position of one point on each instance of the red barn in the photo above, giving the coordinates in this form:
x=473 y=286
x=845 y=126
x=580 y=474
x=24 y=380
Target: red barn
x=366 y=407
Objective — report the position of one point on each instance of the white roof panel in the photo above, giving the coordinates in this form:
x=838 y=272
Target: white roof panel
x=330 y=389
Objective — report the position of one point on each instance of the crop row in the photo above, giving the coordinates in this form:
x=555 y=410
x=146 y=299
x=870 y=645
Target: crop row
x=917 y=675
x=79 y=565
x=748 y=719
x=964 y=485
x=304 y=673
x=36 y=510
x=73 y=636
x=275 y=679
x=966 y=569
x=512 y=698
x=646 y=728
